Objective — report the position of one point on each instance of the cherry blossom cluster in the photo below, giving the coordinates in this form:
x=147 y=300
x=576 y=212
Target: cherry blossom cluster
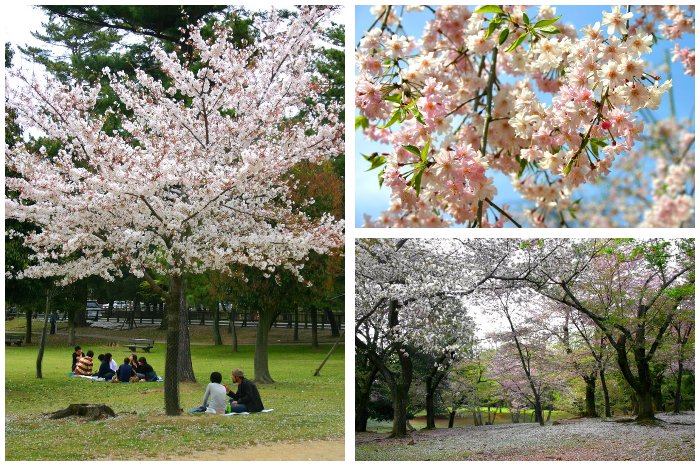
x=670 y=22
x=465 y=101
x=197 y=175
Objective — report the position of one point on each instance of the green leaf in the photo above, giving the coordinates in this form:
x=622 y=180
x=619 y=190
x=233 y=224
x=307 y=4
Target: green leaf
x=523 y=165
x=550 y=30
x=492 y=27
x=503 y=36
x=526 y=18
x=412 y=149
x=418 y=115
x=424 y=151
x=416 y=180
x=490 y=9
x=396 y=98
x=361 y=122
x=394 y=118
x=375 y=160
x=517 y=42
x=381 y=177
x=569 y=165
x=546 y=22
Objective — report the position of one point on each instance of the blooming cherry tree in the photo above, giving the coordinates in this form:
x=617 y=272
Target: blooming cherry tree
x=466 y=100
x=195 y=178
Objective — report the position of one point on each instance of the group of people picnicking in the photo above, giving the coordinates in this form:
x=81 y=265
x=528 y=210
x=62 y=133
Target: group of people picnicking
x=133 y=369
x=245 y=400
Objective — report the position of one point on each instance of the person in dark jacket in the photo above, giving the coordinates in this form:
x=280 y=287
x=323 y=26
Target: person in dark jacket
x=246 y=398
x=105 y=371
x=145 y=371
x=125 y=372
x=77 y=354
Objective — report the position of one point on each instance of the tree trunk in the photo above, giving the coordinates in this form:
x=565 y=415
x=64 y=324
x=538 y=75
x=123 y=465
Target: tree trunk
x=71 y=328
x=429 y=405
x=296 y=324
x=80 y=314
x=335 y=328
x=217 y=333
x=364 y=390
x=679 y=381
x=451 y=422
x=232 y=330
x=606 y=395
x=164 y=316
x=590 y=397
x=646 y=406
x=185 y=372
x=172 y=350
x=262 y=370
x=323 y=363
x=538 y=411
x=314 y=327
x=42 y=341
x=28 y=330
x=400 y=395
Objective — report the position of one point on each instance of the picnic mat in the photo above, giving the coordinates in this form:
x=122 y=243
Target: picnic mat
x=263 y=411
x=100 y=379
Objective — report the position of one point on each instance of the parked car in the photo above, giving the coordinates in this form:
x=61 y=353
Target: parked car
x=93 y=309
x=11 y=313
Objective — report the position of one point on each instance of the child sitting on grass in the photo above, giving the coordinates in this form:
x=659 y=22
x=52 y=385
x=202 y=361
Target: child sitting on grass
x=215 y=395
x=126 y=373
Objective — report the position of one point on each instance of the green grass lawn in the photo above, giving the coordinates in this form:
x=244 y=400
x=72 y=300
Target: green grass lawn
x=305 y=407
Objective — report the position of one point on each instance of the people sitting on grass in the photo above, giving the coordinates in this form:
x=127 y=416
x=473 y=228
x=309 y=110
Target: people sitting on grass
x=246 y=399
x=112 y=363
x=214 y=401
x=105 y=371
x=84 y=365
x=126 y=373
x=145 y=371
x=77 y=354
x=134 y=361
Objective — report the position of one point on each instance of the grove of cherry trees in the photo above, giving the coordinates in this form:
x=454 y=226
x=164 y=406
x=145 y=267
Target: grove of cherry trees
x=563 y=115
x=580 y=327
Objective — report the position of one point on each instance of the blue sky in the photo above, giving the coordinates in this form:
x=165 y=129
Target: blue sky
x=370 y=199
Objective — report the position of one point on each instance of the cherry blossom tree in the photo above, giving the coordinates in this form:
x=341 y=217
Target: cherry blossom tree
x=195 y=178
x=399 y=297
x=631 y=289
x=464 y=102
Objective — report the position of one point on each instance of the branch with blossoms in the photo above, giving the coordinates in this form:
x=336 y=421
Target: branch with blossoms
x=466 y=101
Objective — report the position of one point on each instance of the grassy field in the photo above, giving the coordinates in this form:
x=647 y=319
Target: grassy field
x=305 y=407
x=464 y=419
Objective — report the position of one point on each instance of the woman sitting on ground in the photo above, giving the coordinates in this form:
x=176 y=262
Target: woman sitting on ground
x=214 y=401
x=145 y=371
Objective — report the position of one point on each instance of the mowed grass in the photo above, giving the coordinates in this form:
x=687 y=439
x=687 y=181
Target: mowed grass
x=305 y=407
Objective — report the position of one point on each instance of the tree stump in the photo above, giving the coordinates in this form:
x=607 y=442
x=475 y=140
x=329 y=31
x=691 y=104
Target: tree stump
x=90 y=411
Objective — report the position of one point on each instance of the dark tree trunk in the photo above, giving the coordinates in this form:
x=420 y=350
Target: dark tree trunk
x=217 y=334
x=679 y=381
x=42 y=341
x=185 y=372
x=28 y=330
x=364 y=390
x=400 y=395
x=606 y=395
x=262 y=369
x=172 y=348
x=646 y=406
x=429 y=407
x=539 y=417
x=296 y=324
x=451 y=422
x=590 y=396
x=335 y=328
x=232 y=330
x=164 y=316
x=80 y=315
x=314 y=327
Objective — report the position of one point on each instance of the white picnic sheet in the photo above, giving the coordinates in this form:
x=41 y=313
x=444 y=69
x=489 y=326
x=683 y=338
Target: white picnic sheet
x=100 y=379
x=263 y=411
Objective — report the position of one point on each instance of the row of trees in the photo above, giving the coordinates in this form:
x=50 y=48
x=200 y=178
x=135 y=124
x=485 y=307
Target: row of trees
x=567 y=319
x=178 y=145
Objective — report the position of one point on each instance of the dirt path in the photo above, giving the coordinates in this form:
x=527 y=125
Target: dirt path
x=317 y=450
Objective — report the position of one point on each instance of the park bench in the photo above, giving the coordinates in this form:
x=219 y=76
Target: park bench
x=143 y=343
x=14 y=338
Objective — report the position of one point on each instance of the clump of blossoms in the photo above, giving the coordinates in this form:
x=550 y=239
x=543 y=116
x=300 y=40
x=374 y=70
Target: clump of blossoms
x=443 y=102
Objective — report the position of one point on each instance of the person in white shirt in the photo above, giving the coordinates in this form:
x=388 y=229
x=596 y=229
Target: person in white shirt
x=214 y=401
